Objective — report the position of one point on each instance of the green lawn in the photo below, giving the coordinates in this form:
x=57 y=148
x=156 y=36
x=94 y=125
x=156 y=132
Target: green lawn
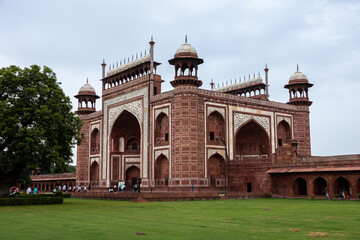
x=214 y=219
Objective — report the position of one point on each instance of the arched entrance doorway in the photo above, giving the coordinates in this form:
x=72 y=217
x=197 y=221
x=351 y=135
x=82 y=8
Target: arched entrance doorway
x=319 y=186
x=216 y=170
x=132 y=175
x=300 y=187
x=94 y=174
x=127 y=129
x=162 y=171
x=341 y=184
x=251 y=142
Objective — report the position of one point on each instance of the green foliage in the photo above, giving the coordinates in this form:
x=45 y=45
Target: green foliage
x=30 y=201
x=58 y=193
x=312 y=196
x=37 y=126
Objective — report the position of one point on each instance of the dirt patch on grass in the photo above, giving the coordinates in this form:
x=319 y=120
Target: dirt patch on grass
x=140 y=233
x=294 y=229
x=318 y=234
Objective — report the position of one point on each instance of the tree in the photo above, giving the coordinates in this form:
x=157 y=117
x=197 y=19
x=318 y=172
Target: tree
x=37 y=126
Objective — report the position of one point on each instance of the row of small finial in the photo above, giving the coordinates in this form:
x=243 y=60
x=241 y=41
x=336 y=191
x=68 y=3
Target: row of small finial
x=226 y=83
x=128 y=60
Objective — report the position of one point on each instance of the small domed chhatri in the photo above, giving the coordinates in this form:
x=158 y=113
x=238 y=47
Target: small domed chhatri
x=86 y=99
x=298 y=77
x=186 y=50
x=87 y=89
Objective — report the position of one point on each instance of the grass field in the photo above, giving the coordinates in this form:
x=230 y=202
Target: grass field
x=214 y=219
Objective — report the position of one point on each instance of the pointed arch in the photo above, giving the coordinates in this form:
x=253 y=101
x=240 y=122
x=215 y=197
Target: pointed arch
x=216 y=129
x=216 y=170
x=94 y=174
x=341 y=184
x=127 y=127
x=319 y=186
x=251 y=141
x=95 y=141
x=300 y=186
x=161 y=171
x=162 y=129
x=132 y=174
x=283 y=132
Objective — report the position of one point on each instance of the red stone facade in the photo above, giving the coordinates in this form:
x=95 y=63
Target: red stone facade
x=229 y=139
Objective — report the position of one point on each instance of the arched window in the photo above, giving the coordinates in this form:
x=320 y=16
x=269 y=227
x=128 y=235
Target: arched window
x=162 y=130
x=216 y=129
x=283 y=132
x=95 y=142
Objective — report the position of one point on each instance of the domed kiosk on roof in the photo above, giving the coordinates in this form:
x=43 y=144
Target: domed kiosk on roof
x=186 y=63
x=86 y=99
x=298 y=89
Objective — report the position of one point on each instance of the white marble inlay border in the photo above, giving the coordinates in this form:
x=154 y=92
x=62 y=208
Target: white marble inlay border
x=211 y=109
x=165 y=152
x=221 y=152
x=162 y=110
x=240 y=118
x=286 y=119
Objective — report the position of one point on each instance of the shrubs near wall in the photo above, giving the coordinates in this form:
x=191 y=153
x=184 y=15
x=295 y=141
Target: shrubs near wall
x=30 y=201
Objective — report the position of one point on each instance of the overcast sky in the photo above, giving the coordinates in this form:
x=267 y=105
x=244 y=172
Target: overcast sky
x=235 y=38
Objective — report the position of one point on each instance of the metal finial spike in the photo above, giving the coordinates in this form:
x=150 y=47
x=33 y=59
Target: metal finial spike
x=152 y=39
x=103 y=60
x=254 y=75
x=145 y=52
x=113 y=65
x=186 y=38
x=87 y=80
x=141 y=54
x=297 y=67
x=235 y=80
x=132 y=57
x=230 y=81
x=128 y=59
x=249 y=76
x=212 y=80
x=259 y=73
x=117 y=63
x=120 y=63
x=218 y=85
x=136 y=55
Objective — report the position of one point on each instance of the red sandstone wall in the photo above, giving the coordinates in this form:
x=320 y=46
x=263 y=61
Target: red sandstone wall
x=302 y=133
x=83 y=155
x=187 y=140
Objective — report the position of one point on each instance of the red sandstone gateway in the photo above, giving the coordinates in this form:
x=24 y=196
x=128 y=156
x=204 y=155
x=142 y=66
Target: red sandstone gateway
x=230 y=139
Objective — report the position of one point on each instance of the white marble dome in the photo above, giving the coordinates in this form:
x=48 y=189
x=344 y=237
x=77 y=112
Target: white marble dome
x=298 y=76
x=87 y=88
x=186 y=48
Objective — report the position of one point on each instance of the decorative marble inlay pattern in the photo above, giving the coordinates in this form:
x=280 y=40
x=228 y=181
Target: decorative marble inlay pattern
x=128 y=160
x=211 y=109
x=95 y=126
x=94 y=160
x=165 y=152
x=221 y=152
x=286 y=119
x=133 y=107
x=240 y=118
x=132 y=165
x=162 y=110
